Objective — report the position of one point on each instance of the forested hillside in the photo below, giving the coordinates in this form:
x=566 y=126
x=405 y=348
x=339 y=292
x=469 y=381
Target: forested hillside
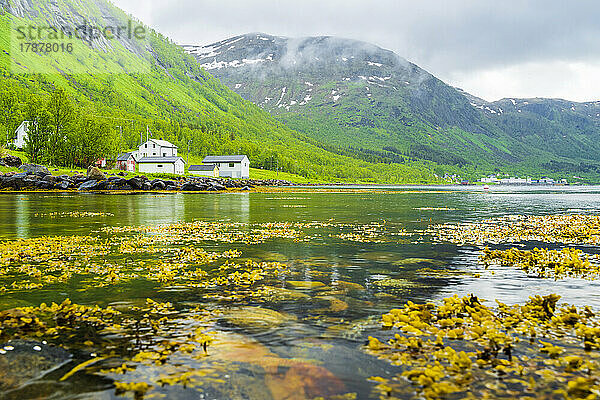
x=105 y=93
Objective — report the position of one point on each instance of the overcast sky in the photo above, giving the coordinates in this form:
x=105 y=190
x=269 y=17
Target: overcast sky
x=492 y=49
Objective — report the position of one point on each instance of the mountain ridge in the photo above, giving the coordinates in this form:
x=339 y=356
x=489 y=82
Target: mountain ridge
x=347 y=92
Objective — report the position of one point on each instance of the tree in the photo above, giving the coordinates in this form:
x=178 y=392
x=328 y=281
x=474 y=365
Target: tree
x=93 y=140
x=36 y=143
x=61 y=124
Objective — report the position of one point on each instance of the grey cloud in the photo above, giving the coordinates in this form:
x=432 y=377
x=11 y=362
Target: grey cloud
x=448 y=38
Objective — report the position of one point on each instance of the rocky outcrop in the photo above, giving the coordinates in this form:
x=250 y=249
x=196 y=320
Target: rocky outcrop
x=11 y=161
x=35 y=169
x=95 y=174
x=37 y=177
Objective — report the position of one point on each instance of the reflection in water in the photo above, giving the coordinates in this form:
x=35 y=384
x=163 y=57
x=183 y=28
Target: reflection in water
x=157 y=209
x=23 y=217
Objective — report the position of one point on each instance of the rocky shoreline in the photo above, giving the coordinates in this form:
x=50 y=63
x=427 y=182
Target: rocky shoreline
x=37 y=177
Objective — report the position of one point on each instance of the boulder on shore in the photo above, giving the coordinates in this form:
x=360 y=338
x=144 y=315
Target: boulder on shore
x=11 y=161
x=62 y=185
x=95 y=174
x=135 y=183
x=88 y=185
x=34 y=169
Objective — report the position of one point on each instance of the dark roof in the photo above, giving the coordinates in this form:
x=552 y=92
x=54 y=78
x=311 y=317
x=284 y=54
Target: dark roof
x=124 y=156
x=223 y=159
x=163 y=143
x=208 y=167
x=156 y=160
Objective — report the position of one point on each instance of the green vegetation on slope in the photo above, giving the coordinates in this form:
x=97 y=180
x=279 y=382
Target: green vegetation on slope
x=175 y=98
x=356 y=99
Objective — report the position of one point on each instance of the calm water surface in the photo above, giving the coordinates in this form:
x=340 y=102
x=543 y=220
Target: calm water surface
x=313 y=334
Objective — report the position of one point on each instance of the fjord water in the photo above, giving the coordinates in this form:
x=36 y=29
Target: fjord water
x=330 y=338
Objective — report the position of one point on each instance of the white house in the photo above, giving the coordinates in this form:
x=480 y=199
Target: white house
x=162 y=165
x=21 y=135
x=515 y=181
x=156 y=148
x=546 y=181
x=490 y=179
x=230 y=166
x=211 y=170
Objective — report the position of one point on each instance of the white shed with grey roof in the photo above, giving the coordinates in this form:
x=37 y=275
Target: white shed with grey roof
x=210 y=170
x=230 y=166
x=162 y=165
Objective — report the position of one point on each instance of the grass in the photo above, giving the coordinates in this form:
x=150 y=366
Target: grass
x=255 y=173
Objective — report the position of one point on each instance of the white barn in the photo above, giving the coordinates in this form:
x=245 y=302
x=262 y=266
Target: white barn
x=157 y=148
x=21 y=135
x=230 y=166
x=162 y=165
x=210 y=170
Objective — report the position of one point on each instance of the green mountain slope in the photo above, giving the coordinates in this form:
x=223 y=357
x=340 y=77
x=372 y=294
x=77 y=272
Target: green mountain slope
x=130 y=84
x=568 y=129
x=354 y=95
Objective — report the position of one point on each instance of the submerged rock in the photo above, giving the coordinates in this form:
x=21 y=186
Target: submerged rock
x=304 y=381
x=335 y=304
x=256 y=317
x=347 y=286
x=306 y=285
x=22 y=361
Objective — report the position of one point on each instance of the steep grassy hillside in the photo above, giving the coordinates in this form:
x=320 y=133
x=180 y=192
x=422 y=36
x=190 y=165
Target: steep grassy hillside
x=132 y=84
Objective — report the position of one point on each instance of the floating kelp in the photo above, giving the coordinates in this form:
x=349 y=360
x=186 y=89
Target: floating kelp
x=306 y=285
x=565 y=229
x=557 y=264
x=374 y=232
x=147 y=348
x=249 y=234
x=34 y=263
x=278 y=295
x=74 y=214
x=200 y=231
x=445 y=273
x=462 y=348
x=395 y=283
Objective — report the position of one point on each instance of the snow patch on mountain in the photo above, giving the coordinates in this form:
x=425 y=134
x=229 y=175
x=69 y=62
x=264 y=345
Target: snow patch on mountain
x=232 y=64
x=282 y=96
